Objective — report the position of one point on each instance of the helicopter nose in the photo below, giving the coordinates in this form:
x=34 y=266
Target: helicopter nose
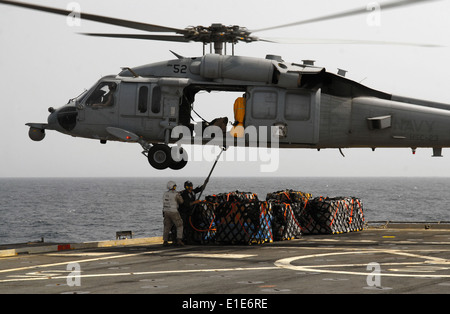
x=52 y=121
x=63 y=119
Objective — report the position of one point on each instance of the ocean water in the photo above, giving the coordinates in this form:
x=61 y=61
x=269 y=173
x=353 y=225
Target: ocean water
x=93 y=209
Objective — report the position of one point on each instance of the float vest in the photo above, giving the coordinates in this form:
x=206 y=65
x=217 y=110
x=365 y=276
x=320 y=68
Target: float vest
x=239 y=115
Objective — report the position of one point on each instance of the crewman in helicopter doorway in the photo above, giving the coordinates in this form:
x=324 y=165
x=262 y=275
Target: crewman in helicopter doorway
x=171 y=200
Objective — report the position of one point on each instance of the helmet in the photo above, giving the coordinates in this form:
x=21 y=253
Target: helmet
x=187 y=184
x=171 y=185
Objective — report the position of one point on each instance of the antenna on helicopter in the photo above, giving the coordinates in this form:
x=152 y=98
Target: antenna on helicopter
x=131 y=71
x=177 y=55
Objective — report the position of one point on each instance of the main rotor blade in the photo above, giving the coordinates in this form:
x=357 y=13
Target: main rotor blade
x=98 y=18
x=314 y=41
x=365 y=10
x=141 y=36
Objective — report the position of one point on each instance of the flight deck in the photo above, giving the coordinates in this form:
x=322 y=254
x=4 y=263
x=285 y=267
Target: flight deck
x=391 y=258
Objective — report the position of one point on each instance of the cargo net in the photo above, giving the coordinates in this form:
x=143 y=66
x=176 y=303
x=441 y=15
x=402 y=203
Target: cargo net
x=202 y=226
x=326 y=215
x=241 y=218
x=287 y=208
x=232 y=218
x=288 y=196
x=235 y=196
x=296 y=213
x=244 y=222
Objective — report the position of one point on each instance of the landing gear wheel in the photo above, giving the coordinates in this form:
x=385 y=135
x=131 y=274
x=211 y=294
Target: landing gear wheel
x=180 y=158
x=159 y=156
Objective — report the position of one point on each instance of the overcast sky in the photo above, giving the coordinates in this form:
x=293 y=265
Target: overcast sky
x=44 y=62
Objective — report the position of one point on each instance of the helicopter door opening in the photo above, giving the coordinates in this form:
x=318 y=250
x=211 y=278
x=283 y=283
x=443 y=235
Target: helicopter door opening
x=213 y=108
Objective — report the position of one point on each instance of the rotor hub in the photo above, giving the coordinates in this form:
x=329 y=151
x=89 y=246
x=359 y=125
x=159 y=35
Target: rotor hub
x=218 y=33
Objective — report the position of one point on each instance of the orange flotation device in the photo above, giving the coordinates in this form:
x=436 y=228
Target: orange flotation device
x=239 y=115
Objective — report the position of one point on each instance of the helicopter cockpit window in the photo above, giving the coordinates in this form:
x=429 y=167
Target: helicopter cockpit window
x=103 y=95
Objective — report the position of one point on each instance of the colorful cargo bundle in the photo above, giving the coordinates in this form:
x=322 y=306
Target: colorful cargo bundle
x=288 y=196
x=232 y=218
x=286 y=224
x=202 y=227
x=296 y=213
x=243 y=222
x=287 y=208
x=240 y=218
x=235 y=196
x=326 y=215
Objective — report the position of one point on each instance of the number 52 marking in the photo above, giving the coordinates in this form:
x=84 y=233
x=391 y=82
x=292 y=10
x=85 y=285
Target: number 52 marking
x=179 y=68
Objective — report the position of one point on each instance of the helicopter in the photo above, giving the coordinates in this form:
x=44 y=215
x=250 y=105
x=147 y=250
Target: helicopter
x=296 y=105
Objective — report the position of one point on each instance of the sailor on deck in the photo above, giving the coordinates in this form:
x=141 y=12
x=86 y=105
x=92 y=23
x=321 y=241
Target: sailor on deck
x=171 y=200
x=185 y=209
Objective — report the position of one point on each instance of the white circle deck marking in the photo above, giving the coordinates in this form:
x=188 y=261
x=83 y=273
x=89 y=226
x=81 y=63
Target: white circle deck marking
x=432 y=264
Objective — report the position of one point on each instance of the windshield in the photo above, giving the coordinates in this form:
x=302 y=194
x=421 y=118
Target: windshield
x=103 y=95
x=78 y=99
